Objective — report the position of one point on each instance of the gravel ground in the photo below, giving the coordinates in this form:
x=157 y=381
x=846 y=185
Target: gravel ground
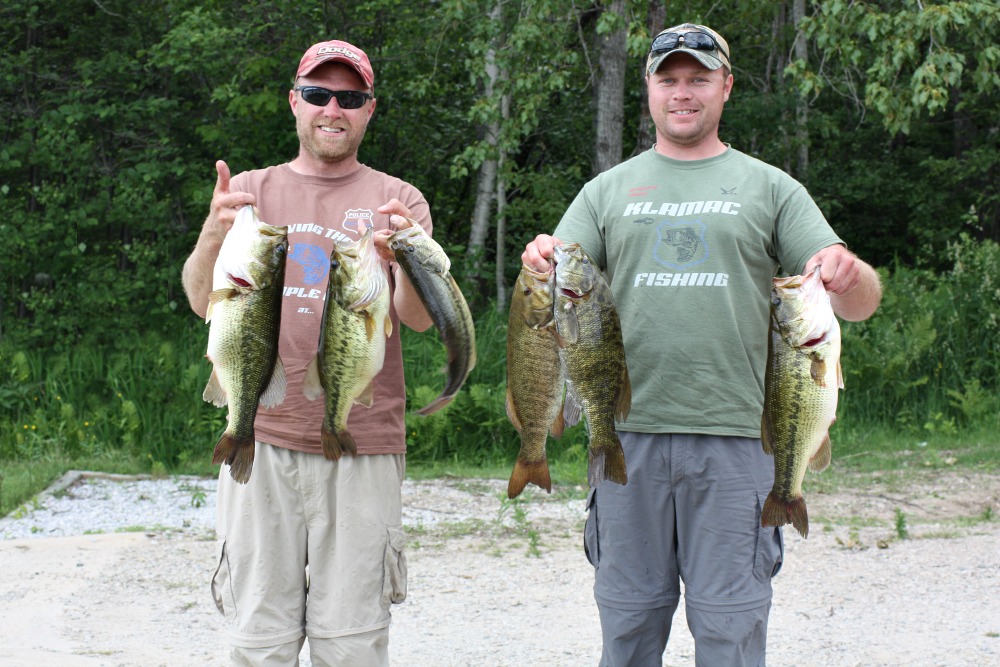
x=111 y=571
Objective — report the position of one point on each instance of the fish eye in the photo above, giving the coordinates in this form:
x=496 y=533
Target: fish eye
x=527 y=291
x=334 y=264
x=409 y=248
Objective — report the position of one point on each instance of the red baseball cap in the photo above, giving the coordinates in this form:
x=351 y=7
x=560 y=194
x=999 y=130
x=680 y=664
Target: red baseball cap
x=337 y=51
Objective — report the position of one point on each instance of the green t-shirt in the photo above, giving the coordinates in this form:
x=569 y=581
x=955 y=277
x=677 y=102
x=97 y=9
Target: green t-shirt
x=690 y=249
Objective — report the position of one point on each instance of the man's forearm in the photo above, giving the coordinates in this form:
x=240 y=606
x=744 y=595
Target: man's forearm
x=197 y=273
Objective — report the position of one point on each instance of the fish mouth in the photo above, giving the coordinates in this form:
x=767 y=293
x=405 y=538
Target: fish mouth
x=241 y=282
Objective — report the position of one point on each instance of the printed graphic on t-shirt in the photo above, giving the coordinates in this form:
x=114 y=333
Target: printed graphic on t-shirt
x=681 y=244
x=682 y=241
x=315 y=262
x=357 y=220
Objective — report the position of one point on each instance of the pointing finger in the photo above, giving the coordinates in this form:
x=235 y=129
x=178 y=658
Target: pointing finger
x=222 y=182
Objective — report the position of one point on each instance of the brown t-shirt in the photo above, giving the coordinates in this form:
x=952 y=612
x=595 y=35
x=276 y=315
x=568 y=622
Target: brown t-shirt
x=318 y=213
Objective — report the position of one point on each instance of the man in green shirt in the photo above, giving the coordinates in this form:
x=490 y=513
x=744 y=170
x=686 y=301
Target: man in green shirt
x=690 y=234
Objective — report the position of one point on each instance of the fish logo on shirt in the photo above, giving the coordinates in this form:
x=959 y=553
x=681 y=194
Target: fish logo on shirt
x=681 y=243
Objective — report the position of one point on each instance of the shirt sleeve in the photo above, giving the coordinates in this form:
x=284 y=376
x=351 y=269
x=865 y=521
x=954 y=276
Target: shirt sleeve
x=801 y=230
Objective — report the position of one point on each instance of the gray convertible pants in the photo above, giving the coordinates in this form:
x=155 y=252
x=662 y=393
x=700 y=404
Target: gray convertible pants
x=690 y=512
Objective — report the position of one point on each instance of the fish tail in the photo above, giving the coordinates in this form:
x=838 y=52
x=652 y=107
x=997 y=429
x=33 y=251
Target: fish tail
x=338 y=443
x=237 y=453
x=778 y=512
x=607 y=463
x=535 y=472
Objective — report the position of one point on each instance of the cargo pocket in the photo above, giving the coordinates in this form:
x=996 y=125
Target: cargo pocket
x=590 y=546
x=222 y=589
x=770 y=548
x=394 y=582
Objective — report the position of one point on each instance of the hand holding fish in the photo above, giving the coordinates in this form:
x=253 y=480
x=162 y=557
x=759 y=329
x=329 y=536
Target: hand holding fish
x=197 y=274
x=225 y=204
x=854 y=286
x=538 y=253
x=400 y=217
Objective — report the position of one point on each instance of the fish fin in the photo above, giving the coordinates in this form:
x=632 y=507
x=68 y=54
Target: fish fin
x=369 y=324
x=821 y=459
x=568 y=327
x=275 y=392
x=607 y=463
x=435 y=405
x=387 y=326
x=512 y=412
x=558 y=425
x=336 y=444
x=777 y=512
x=766 y=434
x=237 y=453
x=311 y=386
x=537 y=473
x=473 y=357
x=221 y=294
x=624 y=402
x=818 y=370
x=840 y=375
x=367 y=395
x=214 y=393
x=572 y=410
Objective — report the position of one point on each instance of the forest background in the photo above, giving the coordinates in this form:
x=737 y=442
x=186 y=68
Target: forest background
x=114 y=112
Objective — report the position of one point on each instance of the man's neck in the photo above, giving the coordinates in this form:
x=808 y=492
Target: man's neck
x=700 y=151
x=307 y=165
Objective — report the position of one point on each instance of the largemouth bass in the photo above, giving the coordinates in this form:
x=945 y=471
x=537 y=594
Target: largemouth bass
x=800 y=392
x=352 y=338
x=427 y=266
x=535 y=377
x=593 y=354
x=244 y=312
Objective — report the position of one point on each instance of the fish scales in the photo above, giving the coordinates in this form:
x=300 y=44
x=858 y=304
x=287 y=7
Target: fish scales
x=427 y=266
x=801 y=385
x=244 y=314
x=535 y=377
x=593 y=354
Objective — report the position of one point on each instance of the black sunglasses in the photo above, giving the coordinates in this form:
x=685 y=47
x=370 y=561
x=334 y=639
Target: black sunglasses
x=346 y=99
x=700 y=41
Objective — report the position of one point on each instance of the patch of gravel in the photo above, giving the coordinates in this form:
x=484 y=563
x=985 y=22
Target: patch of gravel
x=87 y=503
x=506 y=584
x=83 y=503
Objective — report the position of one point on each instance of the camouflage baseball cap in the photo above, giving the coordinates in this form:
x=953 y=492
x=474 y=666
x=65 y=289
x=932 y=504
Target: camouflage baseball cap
x=699 y=41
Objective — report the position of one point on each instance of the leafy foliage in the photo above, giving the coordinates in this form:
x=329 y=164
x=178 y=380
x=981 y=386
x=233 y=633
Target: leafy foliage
x=115 y=112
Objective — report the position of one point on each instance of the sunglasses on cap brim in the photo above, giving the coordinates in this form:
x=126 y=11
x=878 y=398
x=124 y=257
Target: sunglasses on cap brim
x=696 y=40
x=346 y=99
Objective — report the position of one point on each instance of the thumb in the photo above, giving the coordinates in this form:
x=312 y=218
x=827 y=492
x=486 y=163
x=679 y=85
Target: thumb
x=222 y=182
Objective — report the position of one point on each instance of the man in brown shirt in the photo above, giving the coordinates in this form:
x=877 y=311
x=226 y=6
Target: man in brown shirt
x=341 y=518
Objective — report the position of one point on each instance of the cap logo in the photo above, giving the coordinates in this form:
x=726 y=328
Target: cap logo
x=335 y=50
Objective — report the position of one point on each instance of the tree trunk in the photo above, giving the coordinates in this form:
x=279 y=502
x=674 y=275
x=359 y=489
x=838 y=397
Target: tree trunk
x=501 y=250
x=610 y=91
x=486 y=188
x=656 y=20
x=802 y=103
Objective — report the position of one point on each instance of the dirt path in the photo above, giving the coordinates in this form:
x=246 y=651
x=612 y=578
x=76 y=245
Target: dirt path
x=506 y=585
